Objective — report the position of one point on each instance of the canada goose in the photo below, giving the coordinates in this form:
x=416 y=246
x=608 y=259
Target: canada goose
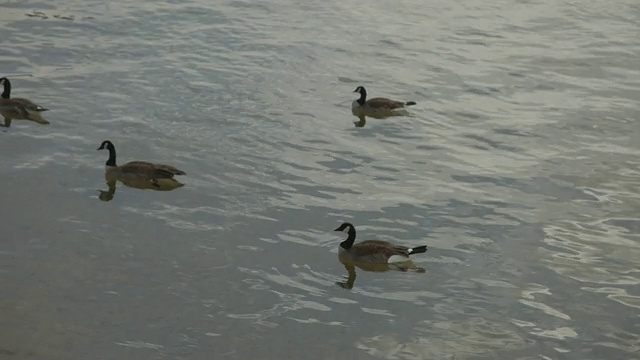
x=136 y=169
x=18 y=108
x=376 y=104
x=374 y=251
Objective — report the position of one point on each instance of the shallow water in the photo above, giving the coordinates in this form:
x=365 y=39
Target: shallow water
x=518 y=167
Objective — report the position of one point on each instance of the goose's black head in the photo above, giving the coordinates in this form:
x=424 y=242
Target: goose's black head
x=363 y=94
x=112 y=152
x=106 y=145
x=349 y=229
x=345 y=227
x=6 y=93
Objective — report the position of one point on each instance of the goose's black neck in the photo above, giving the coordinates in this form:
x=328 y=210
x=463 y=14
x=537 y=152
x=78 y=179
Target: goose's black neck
x=7 y=88
x=363 y=96
x=112 y=155
x=347 y=244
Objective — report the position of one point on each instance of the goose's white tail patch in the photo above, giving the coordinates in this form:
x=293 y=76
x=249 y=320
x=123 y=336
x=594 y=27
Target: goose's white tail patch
x=397 y=259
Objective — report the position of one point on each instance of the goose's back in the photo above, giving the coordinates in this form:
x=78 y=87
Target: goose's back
x=376 y=251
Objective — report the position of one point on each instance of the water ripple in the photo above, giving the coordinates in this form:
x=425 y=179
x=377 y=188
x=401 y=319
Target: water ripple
x=518 y=167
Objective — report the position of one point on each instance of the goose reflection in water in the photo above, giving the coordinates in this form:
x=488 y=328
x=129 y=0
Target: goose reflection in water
x=351 y=266
x=142 y=184
x=362 y=115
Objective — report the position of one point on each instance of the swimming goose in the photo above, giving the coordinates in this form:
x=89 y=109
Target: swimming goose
x=374 y=251
x=137 y=169
x=18 y=108
x=376 y=104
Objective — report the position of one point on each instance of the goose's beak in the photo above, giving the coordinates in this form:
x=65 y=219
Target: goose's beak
x=338 y=229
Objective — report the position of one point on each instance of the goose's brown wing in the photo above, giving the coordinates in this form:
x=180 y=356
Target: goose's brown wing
x=384 y=103
x=136 y=167
x=171 y=169
x=150 y=170
x=377 y=251
x=29 y=105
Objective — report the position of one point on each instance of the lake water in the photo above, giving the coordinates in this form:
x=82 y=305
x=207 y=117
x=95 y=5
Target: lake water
x=519 y=168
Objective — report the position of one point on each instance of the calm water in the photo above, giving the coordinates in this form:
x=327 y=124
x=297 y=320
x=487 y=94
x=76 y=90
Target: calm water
x=519 y=167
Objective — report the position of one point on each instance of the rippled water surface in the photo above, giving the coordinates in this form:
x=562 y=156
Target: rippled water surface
x=519 y=167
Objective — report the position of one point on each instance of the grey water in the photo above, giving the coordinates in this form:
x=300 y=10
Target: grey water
x=519 y=167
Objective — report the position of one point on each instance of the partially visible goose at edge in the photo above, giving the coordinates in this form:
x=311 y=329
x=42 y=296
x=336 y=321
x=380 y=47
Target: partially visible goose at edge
x=136 y=169
x=18 y=108
x=376 y=105
x=374 y=251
